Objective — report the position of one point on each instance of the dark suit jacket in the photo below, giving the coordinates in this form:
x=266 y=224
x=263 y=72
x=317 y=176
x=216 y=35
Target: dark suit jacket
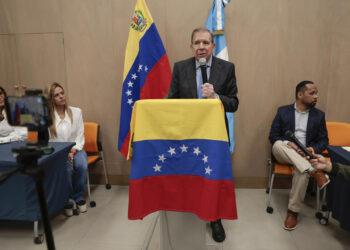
x=316 y=131
x=222 y=76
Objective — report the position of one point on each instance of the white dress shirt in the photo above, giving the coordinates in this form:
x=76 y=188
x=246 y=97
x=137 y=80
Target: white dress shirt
x=68 y=132
x=301 y=119
x=9 y=133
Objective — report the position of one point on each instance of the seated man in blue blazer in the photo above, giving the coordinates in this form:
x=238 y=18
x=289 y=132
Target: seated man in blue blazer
x=309 y=127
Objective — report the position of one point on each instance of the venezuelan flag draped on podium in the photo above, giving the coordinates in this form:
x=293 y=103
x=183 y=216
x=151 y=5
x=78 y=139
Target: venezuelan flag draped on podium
x=147 y=72
x=180 y=159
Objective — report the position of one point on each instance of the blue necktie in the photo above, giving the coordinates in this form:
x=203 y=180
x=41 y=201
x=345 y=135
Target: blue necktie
x=199 y=89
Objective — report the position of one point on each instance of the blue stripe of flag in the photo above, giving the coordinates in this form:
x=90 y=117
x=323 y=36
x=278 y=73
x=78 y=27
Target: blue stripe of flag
x=206 y=158
x=151 y=50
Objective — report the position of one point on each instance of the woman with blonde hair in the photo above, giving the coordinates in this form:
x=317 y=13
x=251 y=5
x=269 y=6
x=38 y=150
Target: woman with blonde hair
x=68 y=126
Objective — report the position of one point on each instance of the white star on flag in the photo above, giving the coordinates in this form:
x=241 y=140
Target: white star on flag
x=172 y=151
x=196 y=151
x=183 y=148
x=130 y=84
x=157 y=168
x=146 y=68
x=140 y=68
x=128 y=93
x=134 y=76
x=205 y=159
x=161 y=158
x=130 y=101
x=208 y=170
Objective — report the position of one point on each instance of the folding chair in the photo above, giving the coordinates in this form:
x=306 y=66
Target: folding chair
x=93 y=148
x=276 y=168
x=338 y=133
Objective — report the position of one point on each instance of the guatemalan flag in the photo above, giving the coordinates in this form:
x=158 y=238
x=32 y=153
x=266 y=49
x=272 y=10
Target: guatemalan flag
x=147 y=72
x=216 y=24
x=180 y=159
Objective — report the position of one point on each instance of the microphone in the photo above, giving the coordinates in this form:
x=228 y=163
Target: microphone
x=203 y=65
x=289 y=134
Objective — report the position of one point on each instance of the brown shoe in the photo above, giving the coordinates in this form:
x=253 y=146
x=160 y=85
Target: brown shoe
x=291 y=221
x=322 y=179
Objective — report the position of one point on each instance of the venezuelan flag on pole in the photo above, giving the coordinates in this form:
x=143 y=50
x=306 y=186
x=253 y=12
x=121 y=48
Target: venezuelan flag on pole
x=216 y=24
x=147 y=72
x=180 y=159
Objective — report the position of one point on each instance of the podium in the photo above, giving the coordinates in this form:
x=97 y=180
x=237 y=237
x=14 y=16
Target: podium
x=180 y=163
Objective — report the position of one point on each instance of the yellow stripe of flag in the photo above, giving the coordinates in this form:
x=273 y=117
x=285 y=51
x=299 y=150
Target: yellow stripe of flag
x=178 y=119
x=136 y=33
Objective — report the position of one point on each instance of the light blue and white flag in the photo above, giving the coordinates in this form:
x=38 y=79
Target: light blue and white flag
x=216 y=24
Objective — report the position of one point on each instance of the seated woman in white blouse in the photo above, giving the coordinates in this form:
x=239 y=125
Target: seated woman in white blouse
x=7 y=132
x=68 y=126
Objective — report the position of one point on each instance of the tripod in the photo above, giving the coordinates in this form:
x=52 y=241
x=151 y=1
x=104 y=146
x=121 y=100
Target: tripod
x=27 y=159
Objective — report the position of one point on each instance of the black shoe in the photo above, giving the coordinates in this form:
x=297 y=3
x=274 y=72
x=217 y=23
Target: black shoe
x=218 y=231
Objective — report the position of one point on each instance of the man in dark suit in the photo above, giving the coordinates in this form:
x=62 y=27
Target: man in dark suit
x=187 y=83
x=309 y=127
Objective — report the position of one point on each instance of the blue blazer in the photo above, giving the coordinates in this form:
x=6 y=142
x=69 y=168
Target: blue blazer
x=316 y=131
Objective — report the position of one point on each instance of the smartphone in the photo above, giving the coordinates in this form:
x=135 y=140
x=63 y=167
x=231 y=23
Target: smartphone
x=28 y=111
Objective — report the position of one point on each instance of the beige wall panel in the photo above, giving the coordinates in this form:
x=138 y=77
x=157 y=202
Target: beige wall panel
x=339 y=81
x=338 y=105
x=8 y=63
x=6 y=17
x=35 y=16
x=41 y=59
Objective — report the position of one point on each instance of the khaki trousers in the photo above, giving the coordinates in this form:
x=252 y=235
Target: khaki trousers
x=286 y=155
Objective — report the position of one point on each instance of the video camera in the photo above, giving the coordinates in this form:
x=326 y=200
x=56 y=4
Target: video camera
x=31 y=111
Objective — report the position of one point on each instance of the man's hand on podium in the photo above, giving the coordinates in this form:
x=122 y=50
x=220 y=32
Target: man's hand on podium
x=208 y=91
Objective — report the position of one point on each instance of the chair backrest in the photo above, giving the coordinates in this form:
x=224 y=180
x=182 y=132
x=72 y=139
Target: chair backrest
x=91 y=130
x=32 y=136
x=338 y=133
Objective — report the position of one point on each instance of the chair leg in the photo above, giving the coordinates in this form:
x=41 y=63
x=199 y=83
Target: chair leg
x=38 y=238
x=270 y=173
x=108 y=186
x=92 y=203
x=318 y=206
x=269 y=209
x=324 y=207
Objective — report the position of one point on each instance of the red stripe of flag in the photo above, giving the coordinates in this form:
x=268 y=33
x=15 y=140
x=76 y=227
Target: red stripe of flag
x=158 y=80
x=209 y=199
